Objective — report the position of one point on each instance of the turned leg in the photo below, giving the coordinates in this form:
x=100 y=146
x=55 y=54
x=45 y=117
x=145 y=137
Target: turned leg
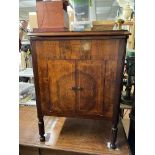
x=41 y=129
x=113 y=137
x=114 y=130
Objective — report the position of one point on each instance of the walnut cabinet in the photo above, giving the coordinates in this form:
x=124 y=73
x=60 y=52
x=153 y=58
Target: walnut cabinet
x=78 y=74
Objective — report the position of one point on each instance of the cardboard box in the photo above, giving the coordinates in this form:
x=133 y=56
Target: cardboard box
x=51 y=15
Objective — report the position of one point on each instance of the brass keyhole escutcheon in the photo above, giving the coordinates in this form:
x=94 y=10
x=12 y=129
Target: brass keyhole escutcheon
x=77 y=88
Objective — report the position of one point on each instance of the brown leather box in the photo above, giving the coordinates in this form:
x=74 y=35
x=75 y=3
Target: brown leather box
x=52 y=15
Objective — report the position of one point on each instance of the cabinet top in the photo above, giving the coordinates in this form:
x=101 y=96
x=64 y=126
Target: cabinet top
x=83 y=33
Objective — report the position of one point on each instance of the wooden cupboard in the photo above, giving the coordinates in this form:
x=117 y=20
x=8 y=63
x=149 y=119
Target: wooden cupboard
x=78 y=74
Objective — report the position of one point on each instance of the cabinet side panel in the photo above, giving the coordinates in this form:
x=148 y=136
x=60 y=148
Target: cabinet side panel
x=119 y=76
x=109 y=86
x=35 y=60
x=42 y=76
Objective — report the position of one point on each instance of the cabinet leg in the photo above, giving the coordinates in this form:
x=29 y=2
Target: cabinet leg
x=41 y=129
x=113 y=137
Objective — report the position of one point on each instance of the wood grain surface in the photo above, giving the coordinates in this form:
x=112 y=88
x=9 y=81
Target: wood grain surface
x=69 y=135
x=89 y=65
x=79 y=74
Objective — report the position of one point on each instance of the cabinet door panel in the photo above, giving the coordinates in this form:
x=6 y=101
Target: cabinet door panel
x=61 y=76
x=90 y=78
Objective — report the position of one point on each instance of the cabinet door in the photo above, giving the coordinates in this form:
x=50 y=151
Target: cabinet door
x=90 y=80
x=61 y=76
